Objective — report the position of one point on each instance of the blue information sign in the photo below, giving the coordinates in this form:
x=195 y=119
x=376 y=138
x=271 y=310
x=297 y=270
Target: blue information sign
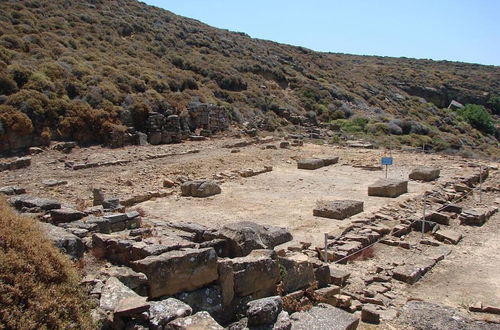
x=386 y=160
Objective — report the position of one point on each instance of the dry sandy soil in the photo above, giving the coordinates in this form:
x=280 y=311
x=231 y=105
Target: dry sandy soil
x=284 y=197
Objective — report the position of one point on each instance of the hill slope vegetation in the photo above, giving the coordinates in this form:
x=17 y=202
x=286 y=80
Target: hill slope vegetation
x=81 y=70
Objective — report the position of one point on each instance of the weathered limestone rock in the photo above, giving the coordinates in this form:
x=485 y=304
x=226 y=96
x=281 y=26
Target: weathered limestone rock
x=200 y=188
x=411 y=272
x=299 y=272
x=328 y=293
x=28 y=201
x=448 y=236
x=176 y=271
x=123 y=251
x=324 y=316
x=256 y=274
x=264 y=311
x=476 y=216
x=134 y=280
x=65 y=241
x=111 y=204
x=245 y=236
x=338 y=276
x=54 y=182
x=310 y=163
x=198 y=321
x=331 y=160
x=113 y=292
x=129 y=306
x=226 y=280
x=370 y=314
x=207 y=299
x=15 y=164
x=251 y=172
x=65 y=214
x=425 y=173
x=283 y=322
x=164 y=311
x=12 y=190
x=322 y=275
x=438 y=217
x=453 y=208
x=339 y=209
x=98 y=195
x=388 y=188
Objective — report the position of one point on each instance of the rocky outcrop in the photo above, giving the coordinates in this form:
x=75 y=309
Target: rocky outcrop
x=245 y=236
x=200 y=188
x=65 y=241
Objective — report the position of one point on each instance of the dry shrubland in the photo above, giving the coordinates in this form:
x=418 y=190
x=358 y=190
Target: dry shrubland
x=81 y=70
x=39 y=286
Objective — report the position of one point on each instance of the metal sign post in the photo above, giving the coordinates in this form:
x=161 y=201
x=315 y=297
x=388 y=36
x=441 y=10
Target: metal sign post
x=326 y=247
x=480 y=183
x=386 y=161
x=423 y=216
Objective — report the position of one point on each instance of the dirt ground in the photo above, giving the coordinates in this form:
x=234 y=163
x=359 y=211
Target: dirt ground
x=283 y=197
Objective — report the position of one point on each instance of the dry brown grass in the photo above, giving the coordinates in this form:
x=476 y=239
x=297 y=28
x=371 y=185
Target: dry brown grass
x=39 y=286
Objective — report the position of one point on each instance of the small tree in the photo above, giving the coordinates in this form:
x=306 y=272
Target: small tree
x=494 y=104
x=478 y=117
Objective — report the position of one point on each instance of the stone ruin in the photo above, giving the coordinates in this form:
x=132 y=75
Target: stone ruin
x=169 y=128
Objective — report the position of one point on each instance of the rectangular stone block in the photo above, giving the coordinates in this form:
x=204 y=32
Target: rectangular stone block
x=339 y=209
x=176 y=271
x=388 y=188
x=310 y=163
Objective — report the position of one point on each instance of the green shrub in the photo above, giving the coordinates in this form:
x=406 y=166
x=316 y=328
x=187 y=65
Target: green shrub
x=478 y=117
x=352 y=125
x=494 y=104
x=377 y=128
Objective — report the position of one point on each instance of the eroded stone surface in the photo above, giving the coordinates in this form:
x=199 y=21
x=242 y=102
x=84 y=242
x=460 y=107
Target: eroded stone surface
x=388 y=188
x=339 y=209
x=176 y=271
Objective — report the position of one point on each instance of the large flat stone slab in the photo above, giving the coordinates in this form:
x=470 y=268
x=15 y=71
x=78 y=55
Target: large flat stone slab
x=28 y=201
x=176 y=271
x=448 y=236
x=388 y=188
x=425 y=173
x=339 y=209
x=322 y=317
x=310 y=164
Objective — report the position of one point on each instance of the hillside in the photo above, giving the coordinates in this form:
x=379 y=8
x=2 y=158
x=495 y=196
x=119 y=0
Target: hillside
x=87 y=70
